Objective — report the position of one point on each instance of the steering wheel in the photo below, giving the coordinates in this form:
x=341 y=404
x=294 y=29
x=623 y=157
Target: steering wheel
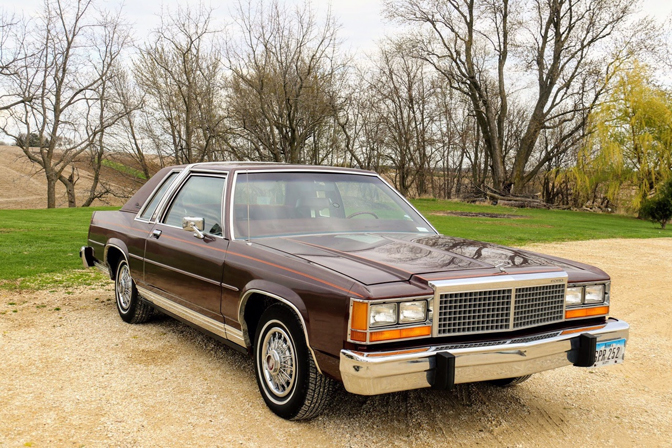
x=352 y=215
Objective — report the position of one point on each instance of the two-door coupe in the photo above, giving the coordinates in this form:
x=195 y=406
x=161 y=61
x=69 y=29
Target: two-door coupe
x=328 y=274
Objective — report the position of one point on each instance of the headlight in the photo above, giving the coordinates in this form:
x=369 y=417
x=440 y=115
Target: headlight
x=574 y=296
x=412 y=312
x=594 y=294
x=384 y=314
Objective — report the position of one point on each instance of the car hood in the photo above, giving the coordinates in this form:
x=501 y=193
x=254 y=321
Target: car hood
x=383 y=258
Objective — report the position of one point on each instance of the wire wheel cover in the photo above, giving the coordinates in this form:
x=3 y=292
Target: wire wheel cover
x=124 y=287
x=278 y=361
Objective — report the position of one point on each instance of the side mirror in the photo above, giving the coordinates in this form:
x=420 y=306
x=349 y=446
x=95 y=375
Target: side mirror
x=196 y=225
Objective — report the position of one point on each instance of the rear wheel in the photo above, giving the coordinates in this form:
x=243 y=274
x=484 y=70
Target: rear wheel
x=286 y=374
x=510 y=382
x=131 y=308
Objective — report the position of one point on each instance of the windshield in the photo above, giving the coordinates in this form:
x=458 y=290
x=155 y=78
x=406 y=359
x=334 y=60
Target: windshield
x=300 y=203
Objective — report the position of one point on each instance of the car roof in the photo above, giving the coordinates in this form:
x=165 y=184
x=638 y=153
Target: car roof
x=252 y=166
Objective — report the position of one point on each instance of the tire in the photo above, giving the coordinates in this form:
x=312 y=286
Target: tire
x=286 y=374
x=131 y=308
x=510 y=382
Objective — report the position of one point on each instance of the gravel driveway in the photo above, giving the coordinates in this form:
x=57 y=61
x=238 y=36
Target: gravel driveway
x=73 y=374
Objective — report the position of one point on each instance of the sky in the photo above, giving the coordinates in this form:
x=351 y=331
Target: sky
x=362 y=24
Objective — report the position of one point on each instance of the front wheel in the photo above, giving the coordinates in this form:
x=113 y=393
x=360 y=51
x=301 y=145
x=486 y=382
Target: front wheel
x=286 y=374
x=131 y=309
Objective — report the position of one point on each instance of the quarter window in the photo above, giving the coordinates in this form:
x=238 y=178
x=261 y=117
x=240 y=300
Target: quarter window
x=154 y=202
x=199 y=197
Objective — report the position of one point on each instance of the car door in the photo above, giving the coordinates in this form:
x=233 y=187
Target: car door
x=181 y=266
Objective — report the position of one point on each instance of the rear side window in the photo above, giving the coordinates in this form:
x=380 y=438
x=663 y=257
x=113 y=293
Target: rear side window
x=154 y=202
x=199 y=197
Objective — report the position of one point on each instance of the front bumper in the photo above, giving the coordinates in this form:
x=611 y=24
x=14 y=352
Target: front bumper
x=374 y=373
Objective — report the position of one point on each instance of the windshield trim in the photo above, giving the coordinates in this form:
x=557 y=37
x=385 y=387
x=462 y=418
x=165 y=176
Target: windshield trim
x=313 y=170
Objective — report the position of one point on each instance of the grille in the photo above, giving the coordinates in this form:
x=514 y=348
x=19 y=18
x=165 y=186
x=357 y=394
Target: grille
x=538 y=305
x=475 y=311
x=491 y=311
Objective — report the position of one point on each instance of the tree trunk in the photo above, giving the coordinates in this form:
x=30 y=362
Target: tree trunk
x=51 y=192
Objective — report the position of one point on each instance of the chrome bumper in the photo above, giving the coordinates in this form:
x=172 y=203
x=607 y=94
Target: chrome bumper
x=86 y=254
x=89 y=260
x=374 y=373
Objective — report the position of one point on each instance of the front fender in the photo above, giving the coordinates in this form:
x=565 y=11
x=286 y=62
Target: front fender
x=281 y=294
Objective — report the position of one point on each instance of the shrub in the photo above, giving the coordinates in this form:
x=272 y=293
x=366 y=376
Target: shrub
x=659 y=208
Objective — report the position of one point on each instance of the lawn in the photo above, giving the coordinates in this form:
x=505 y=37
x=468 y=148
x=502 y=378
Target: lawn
x=35 y=244
x=533 y=225
x=40 y=248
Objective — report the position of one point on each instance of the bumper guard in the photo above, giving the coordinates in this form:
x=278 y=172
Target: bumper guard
x=442 y=366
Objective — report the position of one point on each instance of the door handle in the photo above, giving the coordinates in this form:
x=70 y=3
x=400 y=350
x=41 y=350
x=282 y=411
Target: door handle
x=156 y=234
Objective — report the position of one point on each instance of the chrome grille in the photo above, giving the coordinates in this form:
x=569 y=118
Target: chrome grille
x=499 y=309
x=537 y=305
x=474 y=311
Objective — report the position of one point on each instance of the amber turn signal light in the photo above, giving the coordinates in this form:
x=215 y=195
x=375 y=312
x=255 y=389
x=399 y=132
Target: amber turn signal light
x=360 y=316
x=359 y=336
x=401 y=333
x=586 y=312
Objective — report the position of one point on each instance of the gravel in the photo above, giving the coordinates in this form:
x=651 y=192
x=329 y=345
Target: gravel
x=73 y=374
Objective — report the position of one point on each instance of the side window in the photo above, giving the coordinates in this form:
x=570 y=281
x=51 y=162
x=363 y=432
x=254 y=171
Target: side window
x=200 y=197
x=154 y=202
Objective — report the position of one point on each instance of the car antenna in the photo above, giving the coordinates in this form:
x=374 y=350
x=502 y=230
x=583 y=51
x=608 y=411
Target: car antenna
x=247 y=184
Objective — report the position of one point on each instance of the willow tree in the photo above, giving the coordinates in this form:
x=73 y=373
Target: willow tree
x=631 y=139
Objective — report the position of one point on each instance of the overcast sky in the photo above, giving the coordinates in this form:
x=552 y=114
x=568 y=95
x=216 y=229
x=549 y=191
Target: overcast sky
x=361 y=20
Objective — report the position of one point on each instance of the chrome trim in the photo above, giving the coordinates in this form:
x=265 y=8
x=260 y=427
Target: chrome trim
x=137 y=257
x=508 y=281
x=211 y=325
x=180 y=271
x=107 y=248
x=241 y=319
x=316 y=170
x=396 y=326
x=230 y=287
x=86 y=255
x=177 y=183
x=607 y=295
x=151 y=196
x=379 y=372
x=171 y=194
x=96 y=242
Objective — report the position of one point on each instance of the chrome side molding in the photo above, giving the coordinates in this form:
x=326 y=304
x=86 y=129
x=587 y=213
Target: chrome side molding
x=218 y=328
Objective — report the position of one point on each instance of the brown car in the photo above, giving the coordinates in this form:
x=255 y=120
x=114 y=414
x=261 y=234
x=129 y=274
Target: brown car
x=328 y=274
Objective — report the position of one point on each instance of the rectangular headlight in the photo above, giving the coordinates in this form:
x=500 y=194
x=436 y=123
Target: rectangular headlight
x=594 y=294
x=383 y=314
x=574 y=296
x=410 y=312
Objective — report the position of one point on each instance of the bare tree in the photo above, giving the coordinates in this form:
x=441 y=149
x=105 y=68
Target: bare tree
x=405 y=100
x=480 y=46
x=180 y=73
x=12 y=54
x=285 y=71
x=70 y=53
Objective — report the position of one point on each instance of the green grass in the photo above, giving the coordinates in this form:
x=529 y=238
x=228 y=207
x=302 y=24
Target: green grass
x=39 y=249
x=123 y=168
x=533 y=225
x=37 y=244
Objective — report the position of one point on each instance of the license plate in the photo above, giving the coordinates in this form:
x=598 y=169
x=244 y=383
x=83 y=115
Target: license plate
x=609 y=352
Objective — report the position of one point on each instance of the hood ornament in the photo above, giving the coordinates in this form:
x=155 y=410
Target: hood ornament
x=501 y=268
